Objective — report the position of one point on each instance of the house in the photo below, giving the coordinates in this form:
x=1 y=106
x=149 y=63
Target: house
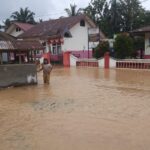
x=61 y=35
x=145 y=32
x=17 y=51
x=17 y=28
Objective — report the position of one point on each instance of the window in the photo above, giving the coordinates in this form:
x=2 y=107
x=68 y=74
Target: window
x=56 y=49
x=66 y=35
x=82 y=23
x=18 y=29
x=59 y=48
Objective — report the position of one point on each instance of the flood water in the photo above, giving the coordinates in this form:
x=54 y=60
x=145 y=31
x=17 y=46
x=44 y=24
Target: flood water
x=81 y=109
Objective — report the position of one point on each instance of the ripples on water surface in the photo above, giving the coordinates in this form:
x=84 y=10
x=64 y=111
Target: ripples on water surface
x=82 y=109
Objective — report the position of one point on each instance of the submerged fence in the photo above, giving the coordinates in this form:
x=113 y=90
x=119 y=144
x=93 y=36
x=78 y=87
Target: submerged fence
x=87 y=62
x=108 y=62
x=133 y=64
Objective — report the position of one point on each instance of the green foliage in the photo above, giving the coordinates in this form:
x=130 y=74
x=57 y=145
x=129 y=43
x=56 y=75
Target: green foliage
x=115 y=16
x=7 y=23
x=23 y=15
x=138 y=43
x=123 y=46
x=101 y=49
x=72 y=11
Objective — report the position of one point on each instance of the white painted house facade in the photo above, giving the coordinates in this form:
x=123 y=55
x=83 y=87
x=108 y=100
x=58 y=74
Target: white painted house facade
x=147 y=45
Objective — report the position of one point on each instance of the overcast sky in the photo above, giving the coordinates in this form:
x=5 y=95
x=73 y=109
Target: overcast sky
x=45 y=9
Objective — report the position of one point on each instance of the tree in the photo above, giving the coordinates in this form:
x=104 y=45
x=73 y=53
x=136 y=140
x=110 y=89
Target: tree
x=99 y=11
x=24 y=15
x=7 y=23
x=72 y=11
x=131 y=11
x=123 y=46
x=101 y=49
x=115 y=16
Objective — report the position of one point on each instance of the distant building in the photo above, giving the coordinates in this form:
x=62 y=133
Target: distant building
x=61 y=35
x=145 y=32
x=17 y=51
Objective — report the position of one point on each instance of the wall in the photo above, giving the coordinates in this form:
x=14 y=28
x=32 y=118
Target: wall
x=16 y=75
x=112 y=63
x=12 y=31
x=16 y=34
x=82 y=54
x=79 y=39
x=147 y=45
x=73 y=60
x=101 y=63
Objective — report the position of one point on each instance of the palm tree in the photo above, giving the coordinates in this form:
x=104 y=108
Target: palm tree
x=24 y=15
x=72 y=10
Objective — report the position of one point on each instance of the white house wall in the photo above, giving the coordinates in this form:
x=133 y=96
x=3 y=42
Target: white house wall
x=16 y=34
x=147 y=44
x=12 y=31
x=79 y=39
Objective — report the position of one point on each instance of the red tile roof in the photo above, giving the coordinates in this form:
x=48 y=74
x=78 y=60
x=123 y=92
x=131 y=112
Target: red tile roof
x=24 y=26
x=54 y=28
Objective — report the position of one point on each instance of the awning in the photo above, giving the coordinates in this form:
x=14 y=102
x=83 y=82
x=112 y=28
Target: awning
x=56 y=41
x=20 y=45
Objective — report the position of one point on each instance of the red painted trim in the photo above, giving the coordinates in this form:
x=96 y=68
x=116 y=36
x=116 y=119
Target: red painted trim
x=146 y=56
x=66 y=59
x=106 y=58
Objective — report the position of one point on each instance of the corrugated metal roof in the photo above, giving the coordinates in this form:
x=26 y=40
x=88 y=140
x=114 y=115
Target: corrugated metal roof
x=9 y=43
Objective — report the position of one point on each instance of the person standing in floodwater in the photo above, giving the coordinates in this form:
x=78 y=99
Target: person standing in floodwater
x=47 y=68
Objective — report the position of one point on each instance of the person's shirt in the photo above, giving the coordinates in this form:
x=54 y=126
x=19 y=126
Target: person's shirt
x=47 y=68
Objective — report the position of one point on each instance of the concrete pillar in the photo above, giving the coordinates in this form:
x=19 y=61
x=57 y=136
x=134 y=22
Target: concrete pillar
x=66 y=59
x=106 y=60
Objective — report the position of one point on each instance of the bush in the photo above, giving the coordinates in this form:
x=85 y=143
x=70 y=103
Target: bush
x=100 y=50
x=123 y=46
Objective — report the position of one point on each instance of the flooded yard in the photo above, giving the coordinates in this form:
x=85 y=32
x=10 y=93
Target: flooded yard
x=81 y=109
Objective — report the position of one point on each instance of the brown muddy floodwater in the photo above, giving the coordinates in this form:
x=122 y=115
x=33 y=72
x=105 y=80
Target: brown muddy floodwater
x=82 y=109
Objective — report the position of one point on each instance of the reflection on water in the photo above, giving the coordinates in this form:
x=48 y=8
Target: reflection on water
x=82 y=108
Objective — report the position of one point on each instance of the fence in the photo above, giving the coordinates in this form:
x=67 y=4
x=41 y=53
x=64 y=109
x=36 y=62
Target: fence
x=87 y=62
x=133 y=64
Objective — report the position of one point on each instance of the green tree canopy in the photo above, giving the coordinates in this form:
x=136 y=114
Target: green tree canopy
x=23 y=15
x=123 y=46
x=73 y=11
x=101 y=49
x=7 y=23
x=115 y=16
